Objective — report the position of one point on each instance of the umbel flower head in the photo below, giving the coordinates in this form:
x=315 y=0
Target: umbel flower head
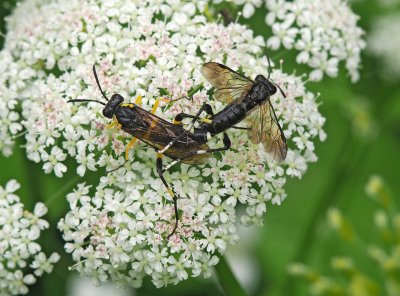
x=323 y=32
x=117 y=230
x=21 y=258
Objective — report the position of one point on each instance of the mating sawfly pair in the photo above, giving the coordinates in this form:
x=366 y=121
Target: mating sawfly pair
x=246 y=100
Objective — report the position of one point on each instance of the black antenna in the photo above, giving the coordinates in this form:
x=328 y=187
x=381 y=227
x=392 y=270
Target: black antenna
x=269 y=74
x=283 y=94
x=80 y=100
x=98 y=83
x=269 y=67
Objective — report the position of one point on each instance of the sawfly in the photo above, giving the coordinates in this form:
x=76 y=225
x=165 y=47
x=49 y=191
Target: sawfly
x=187 y=147
x=246 y=100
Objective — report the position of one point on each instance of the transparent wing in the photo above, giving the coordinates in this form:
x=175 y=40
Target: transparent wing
x=264 y=127
x=161 y=132
x=230 y=85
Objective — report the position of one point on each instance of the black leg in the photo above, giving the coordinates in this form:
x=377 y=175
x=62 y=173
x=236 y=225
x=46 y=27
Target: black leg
x=117 y=168
x=160 y=172
x=240 y=128
x=205 y=107
x=227 y=145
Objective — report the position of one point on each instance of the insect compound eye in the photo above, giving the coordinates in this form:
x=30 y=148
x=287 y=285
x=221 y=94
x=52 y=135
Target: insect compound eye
x=108 y=112
x=272 y=88
x=260 y=78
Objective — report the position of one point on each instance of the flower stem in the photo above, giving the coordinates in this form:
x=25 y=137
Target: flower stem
x=227 y=279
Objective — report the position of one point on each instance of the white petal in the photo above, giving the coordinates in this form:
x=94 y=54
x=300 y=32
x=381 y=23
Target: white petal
x=40 y=209
x=12 y=186
x=248 y=10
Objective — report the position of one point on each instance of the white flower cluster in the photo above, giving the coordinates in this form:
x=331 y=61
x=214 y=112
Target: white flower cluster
x=323 y=32
x=21 y=258
x=9 y=118
x=150 y=48
x=384 y=42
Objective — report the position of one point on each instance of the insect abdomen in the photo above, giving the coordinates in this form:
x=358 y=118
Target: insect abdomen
x=228 y=117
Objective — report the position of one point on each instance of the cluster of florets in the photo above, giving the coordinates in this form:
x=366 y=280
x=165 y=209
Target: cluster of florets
x=323 y=32
x=21 y=258
x=9 y=118
x=153 y=49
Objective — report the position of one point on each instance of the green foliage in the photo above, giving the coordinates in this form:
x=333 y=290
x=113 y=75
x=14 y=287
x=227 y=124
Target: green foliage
x=349 y=277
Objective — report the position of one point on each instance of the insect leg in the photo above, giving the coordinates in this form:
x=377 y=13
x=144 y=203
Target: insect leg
x=205 y=107
x=160 y=172
x=157 y=102
x=138 y=101
x=240 y=128
x=112 y=124
x=178 y=118
x=227 y=145
x=118 y=167
x=129 y=146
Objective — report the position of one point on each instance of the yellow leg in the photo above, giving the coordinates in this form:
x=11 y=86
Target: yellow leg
x=155 y=106
x=206 y=120
x=176 y=121
x=138 y=101
x=112 y=124
x=128 y=147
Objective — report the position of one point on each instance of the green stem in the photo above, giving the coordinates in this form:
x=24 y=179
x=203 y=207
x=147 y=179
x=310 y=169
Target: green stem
x=227 y=279
x=63 y=190
x=195 y=90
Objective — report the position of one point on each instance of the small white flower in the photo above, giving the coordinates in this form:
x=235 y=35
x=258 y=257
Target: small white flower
x=205 y=265
x=43 y=264
x=177 y=267
x=52 y=161
x=21 y=259
x=33 y=219
x=324 y=33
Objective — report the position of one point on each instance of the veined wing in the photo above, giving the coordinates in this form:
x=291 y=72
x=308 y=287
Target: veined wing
x=264 y=127
x=160 y=132
x=230 y=85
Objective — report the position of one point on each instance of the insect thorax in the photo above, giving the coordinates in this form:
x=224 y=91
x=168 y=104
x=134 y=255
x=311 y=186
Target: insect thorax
x=129 y=118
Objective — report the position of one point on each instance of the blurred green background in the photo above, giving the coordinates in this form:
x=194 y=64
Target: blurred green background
x=363 y=127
